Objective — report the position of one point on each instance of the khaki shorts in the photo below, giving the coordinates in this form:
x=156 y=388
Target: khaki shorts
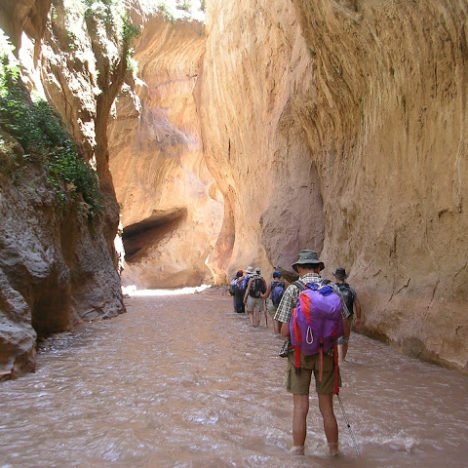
x=299 y=384
x=270 y=307
x=254 y=303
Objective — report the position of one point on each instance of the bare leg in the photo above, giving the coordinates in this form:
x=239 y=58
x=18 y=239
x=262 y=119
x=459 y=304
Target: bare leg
x=250 y=313
x=255 y=318
x=277 y=327
x=299 y=427
x=342 y=351
x=329 y=422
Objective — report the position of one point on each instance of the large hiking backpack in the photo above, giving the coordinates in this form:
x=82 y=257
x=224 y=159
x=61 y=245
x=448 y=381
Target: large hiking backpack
x=232 y=286
x=257 y=287
x=277 y=291
x=316 y=323
x=348 y=296
x=241 y=285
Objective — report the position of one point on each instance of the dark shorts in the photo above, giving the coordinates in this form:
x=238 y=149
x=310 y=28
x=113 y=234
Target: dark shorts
x=299 y=384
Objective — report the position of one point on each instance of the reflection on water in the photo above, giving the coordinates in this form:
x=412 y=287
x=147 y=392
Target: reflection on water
x=133 y=291
x=180 y=381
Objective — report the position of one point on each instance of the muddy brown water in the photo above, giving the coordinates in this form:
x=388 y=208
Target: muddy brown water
x=181 y=381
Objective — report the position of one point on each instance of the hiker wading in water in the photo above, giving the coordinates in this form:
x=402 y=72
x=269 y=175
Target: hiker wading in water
x=254 y=297
x=352 y=302
x=309 y=266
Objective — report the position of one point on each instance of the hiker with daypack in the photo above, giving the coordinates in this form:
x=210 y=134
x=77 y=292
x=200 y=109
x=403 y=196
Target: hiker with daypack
x=274 y=293
x=254 y=297
x=237 y=296
x=313 y=351
x=352 y=302
x=241 y=285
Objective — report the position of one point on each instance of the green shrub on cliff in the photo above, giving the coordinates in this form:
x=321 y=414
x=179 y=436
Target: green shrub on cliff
x=44 y=139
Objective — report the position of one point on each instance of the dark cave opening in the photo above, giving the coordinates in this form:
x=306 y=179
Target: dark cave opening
x=139 y=237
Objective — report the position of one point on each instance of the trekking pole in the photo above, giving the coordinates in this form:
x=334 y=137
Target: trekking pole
x=349 y=425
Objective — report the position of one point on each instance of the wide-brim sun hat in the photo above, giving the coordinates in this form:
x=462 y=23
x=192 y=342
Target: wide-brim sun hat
x=249 y=269
x=308 y=257
x=340 y=273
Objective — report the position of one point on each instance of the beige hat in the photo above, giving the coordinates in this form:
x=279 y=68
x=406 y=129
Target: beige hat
x=249 y=270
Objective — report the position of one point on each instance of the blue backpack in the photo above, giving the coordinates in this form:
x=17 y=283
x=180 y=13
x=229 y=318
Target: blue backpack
x=242 y=285
x=232 y=286
x=277 y=291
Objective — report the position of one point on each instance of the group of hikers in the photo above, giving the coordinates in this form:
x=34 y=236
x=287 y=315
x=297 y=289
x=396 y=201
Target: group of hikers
x=314 y=315
x=252 y=295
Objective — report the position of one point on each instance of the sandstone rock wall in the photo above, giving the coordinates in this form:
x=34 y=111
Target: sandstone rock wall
x=341 y=126
x=171 y=209
x=257 y=149
x=56 y=268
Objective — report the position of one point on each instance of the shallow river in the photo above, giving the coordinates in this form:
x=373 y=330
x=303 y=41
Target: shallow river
x=181 y=381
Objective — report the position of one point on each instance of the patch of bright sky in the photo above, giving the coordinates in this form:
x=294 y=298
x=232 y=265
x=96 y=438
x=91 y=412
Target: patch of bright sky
x=178 y=9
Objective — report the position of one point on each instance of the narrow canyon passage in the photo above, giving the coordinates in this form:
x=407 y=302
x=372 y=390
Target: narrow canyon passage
x=181 y=381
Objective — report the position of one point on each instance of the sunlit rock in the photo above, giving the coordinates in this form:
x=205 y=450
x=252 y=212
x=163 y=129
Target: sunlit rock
x=171 y=210
x=342 y=126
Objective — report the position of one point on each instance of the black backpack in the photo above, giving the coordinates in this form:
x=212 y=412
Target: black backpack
x=348 y=296
x=257 y=287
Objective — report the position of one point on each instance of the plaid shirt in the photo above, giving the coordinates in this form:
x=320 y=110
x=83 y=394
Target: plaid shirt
x=290 y=296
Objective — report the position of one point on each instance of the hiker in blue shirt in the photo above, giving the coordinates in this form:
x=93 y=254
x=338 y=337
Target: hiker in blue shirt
x=237 y=295
x=274 y=293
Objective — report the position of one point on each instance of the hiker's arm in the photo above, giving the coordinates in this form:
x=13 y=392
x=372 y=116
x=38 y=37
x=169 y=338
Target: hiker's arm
x=357 y=305
x=267 y=291
x=246 y=295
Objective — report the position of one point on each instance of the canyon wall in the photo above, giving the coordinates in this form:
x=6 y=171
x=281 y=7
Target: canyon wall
x=171 y=209
x=337 y=125
x=57 y=266
x=342 y=126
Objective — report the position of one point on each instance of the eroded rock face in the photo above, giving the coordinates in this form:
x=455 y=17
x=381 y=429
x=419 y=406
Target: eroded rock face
x=56 y=267
x=339 y=126
x=348 y=136
x=171 y=209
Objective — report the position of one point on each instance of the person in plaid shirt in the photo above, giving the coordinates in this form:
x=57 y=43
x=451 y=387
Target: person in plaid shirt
x=308 y=266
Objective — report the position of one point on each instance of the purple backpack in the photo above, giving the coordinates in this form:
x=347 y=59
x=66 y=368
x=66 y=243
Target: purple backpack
x=316 y=321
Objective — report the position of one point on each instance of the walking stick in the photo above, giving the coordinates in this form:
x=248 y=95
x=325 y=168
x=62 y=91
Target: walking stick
x=349 y=425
